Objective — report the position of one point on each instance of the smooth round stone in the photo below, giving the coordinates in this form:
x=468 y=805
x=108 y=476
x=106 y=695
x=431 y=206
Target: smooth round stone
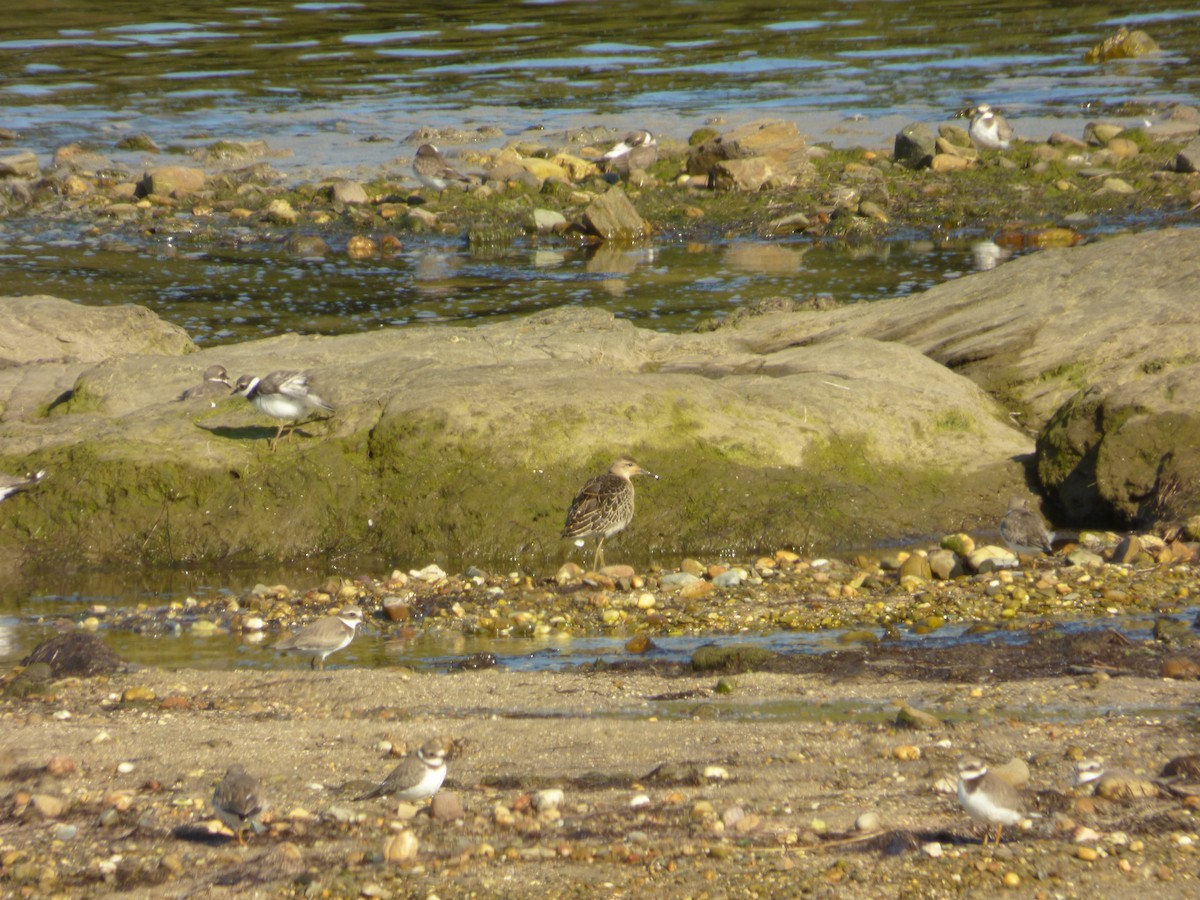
x=868 y=821
x=679 y=579
x=730 y=578
x=446 y=805
x=65 y=832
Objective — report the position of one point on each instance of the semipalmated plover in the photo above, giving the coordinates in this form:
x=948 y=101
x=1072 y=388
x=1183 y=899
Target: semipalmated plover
x=281 y=395
x=988 y=129
x=637 y=150
x=325 y=636
x=1114 y=784
x=239 y=801
x=418 y=776
x=604 y=505
x=433 y=171
x=216 y=380
x=986 y=797
x=12 y=484
x=1023 y=529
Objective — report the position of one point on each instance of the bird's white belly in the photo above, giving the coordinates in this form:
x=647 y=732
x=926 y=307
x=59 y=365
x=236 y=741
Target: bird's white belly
x=280 y=406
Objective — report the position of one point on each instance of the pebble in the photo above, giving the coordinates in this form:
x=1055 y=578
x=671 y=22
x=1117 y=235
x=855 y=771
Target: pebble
x=1087 y=854
x=60 y=765
x=1012 y=880
x=907 y=752
x=401 y=848
x=933 y=850
x=65 y=832
x=730 y=578
x=550 y=798
x=637 y=801
x=868 y=821
x=125 y=768
x=679 y=579
x=646 y=601
x=48 y=806
x=446 y=806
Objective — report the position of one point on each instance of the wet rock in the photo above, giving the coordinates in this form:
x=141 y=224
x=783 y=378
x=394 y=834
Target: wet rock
x=306 y=245
x=360 y=246
x=548 y=221
x=1125 y=44
x=914 y=146
x=1188 y=159
x=280 y=212
x=917 y=719
x=780 y=152
x=732 y=658
x=348 y=193
x=74 y=158
x=73 y=653
x=991 y=558
x=613 y=218
x=1015 y=772
x=171 y=181
x=640 y=643
x=20 y=165
x=225 y=150
x=1128 y=550
x=140 y=142
x=945 y=564
x=916 y=566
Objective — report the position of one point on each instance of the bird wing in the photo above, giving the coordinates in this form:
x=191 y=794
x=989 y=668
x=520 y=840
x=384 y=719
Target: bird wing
x=588 y=506
x=291 y=384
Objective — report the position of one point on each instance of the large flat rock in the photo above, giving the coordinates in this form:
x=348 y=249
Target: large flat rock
x=467 y=444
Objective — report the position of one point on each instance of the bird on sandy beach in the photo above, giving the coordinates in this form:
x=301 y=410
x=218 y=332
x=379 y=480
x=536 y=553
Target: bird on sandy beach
x=987 y=797
x=418 y=776
x=604 y=505
x=433 y=171
x=637 y=150
x=281 y=395
x=1024 y=531
x=12 y=484
x=325 y=636
x=988 y=129
x=216 y=380
x=239 y=801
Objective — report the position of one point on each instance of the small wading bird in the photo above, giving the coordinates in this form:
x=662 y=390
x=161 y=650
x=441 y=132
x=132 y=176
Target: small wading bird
x=418 y=776
x=325 y=636
x=637 y=150
x=988 y=129
x=604 y=505
x=281 y=395
x=433 y=171
x=12 y=484
x=239 y=802
x=1024 y=531
x=987 y=797
x=216 y=379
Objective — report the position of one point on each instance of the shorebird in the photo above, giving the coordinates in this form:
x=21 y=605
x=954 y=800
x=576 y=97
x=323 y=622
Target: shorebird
x=637 y=150
x=1024 y=531
x=604 y=505
x=239 y=801
x=325 y=636
x=215 y=379
x=1114 y=784
x=281 y=395
x=988 y=129
x=418 y=776
x=433 y=171
x=987 y=797
x=12 y=484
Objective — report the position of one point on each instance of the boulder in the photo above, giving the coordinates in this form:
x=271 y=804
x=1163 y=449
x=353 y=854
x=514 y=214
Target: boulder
x=171 y=181
x=23 y=164
x=611 y=217
x=915 y=145
x=767 y=151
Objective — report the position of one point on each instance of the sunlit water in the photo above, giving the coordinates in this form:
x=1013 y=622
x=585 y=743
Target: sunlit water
x=334 y=89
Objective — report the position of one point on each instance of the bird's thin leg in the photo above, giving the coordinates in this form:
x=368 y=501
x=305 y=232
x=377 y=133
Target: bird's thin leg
x=999 y=828
x=275 y=443
x=599 y=558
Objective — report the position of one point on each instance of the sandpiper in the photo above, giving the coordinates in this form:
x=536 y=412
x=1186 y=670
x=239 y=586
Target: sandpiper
x=324 y=636
x=216 y=379
x=987 y=797
x=12 y=484
x=418 y=776
x=1024 y=531
x=281 y=395
x=239 y=801
x=433 y=171
x=988 y=129
x=637 y=150
x=604 y=505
